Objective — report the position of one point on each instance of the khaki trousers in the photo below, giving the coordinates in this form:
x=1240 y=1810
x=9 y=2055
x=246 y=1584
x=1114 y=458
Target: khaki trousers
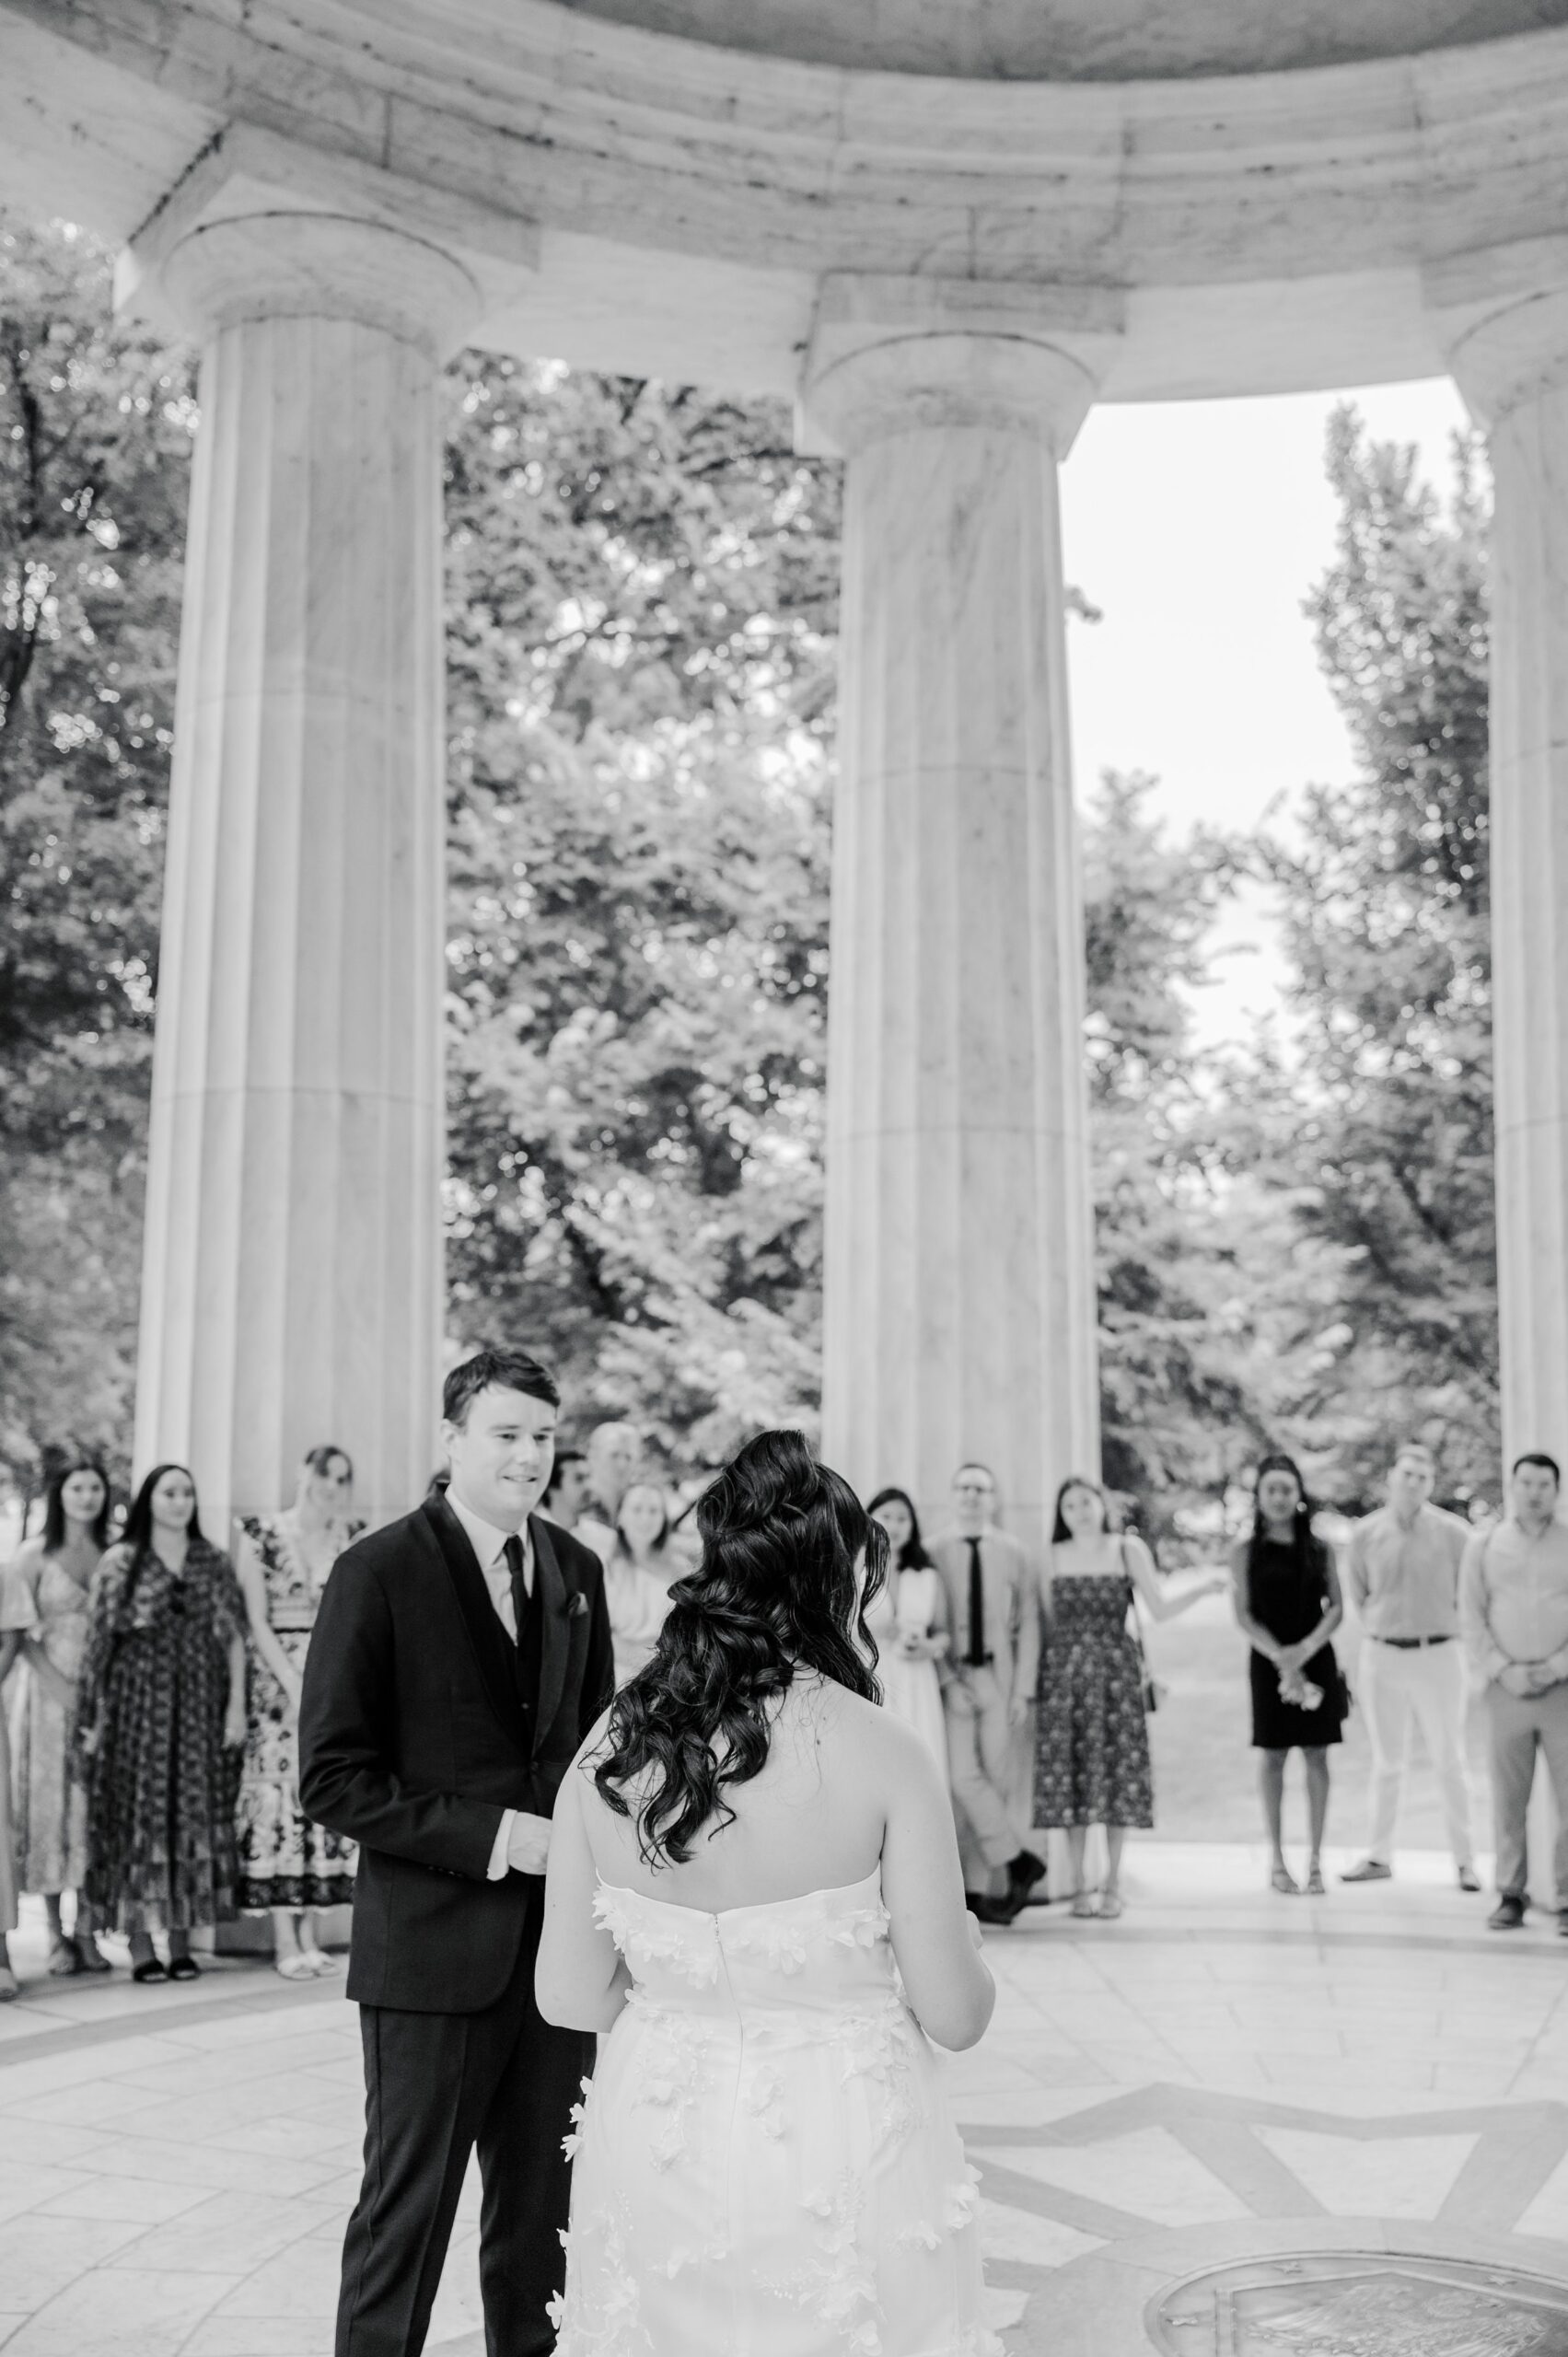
x=1425 y=1683
x=978 y=1748
x=1520 y=1729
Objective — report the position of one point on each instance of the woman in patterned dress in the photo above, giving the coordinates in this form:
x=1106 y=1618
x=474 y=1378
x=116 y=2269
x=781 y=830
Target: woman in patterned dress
x=51 y=1805
x=161 y=1697
x=1092 y=1738
x=288 y=1865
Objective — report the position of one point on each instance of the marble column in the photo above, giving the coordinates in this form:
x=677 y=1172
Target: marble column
x=1513 y=369
x=960 y=1304
x=292 y=1273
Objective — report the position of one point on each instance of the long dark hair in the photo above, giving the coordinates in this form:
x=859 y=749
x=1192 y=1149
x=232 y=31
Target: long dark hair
x=54 y=1505
x=912 y=1556
x=774 y=1593
x=138 y=1532
x=1308 y=1551
x=1059 y=1534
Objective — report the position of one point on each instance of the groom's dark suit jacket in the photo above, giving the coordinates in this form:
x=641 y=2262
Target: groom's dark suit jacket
x=419 y=1723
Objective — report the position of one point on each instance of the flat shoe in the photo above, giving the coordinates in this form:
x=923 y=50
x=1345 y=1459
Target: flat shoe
x=1109 y=1906
x=295 y=1968
x=1283 y=1880
x=92 y=1956
x=64 y=1959
x=154 y=1969
x=1084 y=1905
x=184 y=1968
x=322 y=1965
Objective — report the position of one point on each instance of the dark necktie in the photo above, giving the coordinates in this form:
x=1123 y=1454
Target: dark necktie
x=513 y=1550
x=976 y=1655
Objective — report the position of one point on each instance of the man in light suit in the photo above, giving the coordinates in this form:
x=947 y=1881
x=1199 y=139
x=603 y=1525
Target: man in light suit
x=989 y=1681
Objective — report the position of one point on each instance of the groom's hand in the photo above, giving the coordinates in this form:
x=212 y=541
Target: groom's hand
x=527 y=1845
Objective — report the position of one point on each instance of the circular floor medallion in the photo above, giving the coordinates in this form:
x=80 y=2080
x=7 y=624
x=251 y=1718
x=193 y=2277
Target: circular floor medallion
x=1362 y=2303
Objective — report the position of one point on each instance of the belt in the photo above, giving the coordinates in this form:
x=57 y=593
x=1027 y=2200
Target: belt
x=1414 y=1645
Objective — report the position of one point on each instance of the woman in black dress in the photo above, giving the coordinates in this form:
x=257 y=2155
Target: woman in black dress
x=1288 y=1603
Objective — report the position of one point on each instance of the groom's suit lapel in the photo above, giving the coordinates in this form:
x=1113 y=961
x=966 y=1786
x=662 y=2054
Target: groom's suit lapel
x=556 y=1627
x=493 y=1648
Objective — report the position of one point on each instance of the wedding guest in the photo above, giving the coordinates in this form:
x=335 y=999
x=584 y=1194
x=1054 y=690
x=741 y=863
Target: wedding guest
x=161 y=1697
x=1402 y=1574
x=16 y=1621
x=1092 y=1761
x=1288 y=1605
x=565 y=1496
x=637 y=1575
x=1514 y=1611
x=614 y=1458
x=909 y=1619
x=51 y=1805
x=289 y=1866
x=990 y=1683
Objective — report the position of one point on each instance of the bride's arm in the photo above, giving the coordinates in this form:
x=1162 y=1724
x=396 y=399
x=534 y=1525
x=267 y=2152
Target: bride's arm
x=580 y=1982
x=947 y=1982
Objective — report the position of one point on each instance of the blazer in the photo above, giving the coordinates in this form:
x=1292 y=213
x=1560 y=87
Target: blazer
x=412 y=1742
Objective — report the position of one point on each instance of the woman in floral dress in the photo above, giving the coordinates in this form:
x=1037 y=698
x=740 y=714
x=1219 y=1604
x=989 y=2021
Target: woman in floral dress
x=1092 y=1737
x=160 y=1699
x=51 y=1805
x=287 y=1864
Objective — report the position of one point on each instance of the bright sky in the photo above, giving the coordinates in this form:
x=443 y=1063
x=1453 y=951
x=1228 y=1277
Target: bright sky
x=1197 y=528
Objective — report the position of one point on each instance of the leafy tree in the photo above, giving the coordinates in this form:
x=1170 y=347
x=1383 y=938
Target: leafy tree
x=95 y=436
x=1379 y=1126
x=642 y=601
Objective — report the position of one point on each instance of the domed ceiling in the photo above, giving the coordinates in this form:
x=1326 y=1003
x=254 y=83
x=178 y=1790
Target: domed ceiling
x=1072 y=41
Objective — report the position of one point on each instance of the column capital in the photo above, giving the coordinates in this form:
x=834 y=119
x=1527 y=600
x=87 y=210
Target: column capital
x=259 y=229
x=891 y=355
x=1502 y=315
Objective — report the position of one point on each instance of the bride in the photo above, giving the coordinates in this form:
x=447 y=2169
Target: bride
x=746 y=1848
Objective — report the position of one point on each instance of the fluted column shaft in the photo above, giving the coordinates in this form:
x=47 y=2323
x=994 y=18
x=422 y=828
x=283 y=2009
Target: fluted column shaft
x=292 y=1277
x=960 y=1302
x=1514 y=372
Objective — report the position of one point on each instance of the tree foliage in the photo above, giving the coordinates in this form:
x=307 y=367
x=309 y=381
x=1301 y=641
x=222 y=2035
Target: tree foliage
x=95 y=436
x=1378 y=1125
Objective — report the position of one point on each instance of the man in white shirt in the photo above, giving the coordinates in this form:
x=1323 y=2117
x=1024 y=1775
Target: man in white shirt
x=1402 y=1574
x=988 y=1683
x=1514 y=1611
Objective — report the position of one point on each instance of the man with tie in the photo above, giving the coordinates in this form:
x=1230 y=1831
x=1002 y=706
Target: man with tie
x=460 y=1656
x=989 y=1682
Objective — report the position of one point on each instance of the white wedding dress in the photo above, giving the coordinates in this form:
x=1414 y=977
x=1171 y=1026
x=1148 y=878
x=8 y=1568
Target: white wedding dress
x=764 y=2164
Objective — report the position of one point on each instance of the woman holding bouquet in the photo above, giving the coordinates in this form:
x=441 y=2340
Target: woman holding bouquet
x=1288 y=1605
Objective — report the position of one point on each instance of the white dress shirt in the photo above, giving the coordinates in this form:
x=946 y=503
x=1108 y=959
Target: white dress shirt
x=489 y=1545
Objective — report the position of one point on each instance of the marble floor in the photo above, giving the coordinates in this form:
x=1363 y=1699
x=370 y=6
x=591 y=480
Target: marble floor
x=1220 y=2077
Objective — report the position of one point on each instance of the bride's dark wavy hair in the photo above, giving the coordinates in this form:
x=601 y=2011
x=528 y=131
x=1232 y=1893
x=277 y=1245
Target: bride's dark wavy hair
x=774 y=1593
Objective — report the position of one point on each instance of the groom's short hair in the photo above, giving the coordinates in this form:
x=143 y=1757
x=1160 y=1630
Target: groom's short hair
x=491 y=1370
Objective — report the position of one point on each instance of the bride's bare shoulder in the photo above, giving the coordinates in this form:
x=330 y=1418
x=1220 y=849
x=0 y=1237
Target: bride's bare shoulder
x=871 y=1734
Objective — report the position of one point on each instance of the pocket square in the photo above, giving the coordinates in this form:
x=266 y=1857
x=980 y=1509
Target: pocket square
x=576 y=1605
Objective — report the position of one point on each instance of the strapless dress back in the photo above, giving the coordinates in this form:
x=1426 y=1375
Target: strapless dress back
x=764 y=2165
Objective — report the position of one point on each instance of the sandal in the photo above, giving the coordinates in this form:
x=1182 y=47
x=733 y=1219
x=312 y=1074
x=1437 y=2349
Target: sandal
x=184 y=1968
x=1084 y=1905
x=65 y=1958
x=294 y=1968
x=1315 y=1881
x=1109 y=1906
x=155 y=1968
x=1283 y=1879
x=322 y=1965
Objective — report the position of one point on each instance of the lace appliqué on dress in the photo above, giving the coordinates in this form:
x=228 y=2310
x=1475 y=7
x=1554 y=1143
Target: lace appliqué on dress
x=838 y=2289
x=691 y=1949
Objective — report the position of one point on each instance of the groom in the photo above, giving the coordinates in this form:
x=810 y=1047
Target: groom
x=459 y=1658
